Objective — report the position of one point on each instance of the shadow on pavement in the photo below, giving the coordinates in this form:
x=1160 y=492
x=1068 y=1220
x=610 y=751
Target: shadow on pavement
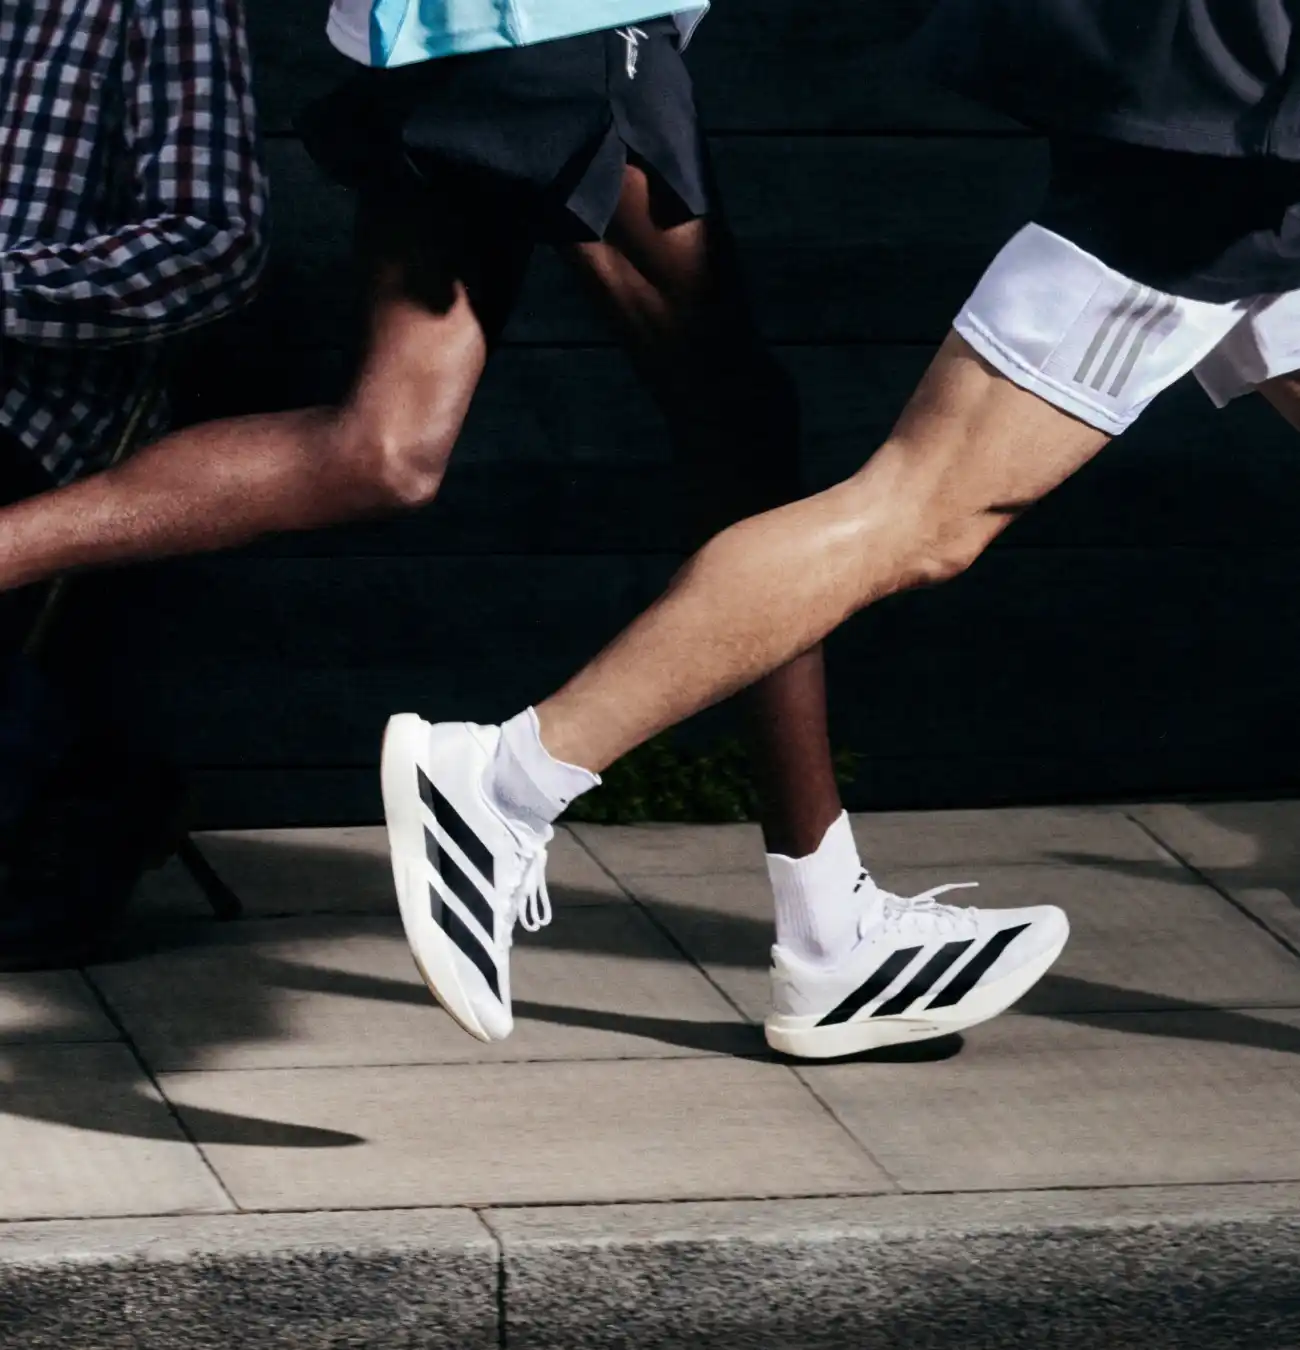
x=723 y=940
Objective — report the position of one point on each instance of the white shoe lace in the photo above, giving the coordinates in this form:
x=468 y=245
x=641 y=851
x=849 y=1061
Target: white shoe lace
x=531 y=901
x=898 y=909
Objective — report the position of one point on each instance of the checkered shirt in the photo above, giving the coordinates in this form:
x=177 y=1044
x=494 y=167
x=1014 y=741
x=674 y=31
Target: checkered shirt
x=132 y=205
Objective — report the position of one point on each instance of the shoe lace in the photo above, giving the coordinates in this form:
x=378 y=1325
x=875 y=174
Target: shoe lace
x=898 y=908
x=531 y=900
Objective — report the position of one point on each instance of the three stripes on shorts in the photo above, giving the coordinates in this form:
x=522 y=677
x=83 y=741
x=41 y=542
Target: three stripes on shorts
x=1122 y=338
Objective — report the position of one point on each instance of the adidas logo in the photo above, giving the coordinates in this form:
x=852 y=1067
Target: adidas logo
x=925 y=979
x=460 y=883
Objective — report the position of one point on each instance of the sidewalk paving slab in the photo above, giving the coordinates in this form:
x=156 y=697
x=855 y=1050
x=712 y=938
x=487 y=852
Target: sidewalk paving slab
x=887 y=840
x=338 y=870
x=55 y=1005
x=1260 y=840
x=1133 y=1099
x=1012 y=836
x=673 y=850
x=602 y=982
x=84 y=1133
x=1115 y=1163
x=1144 y=934
x=533 y=1133
x=1251 y=850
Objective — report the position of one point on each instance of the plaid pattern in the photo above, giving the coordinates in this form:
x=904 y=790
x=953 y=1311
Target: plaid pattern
x=132 y=204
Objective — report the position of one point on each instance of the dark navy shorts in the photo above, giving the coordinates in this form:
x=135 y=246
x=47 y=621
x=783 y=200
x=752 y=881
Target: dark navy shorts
x=549 y=128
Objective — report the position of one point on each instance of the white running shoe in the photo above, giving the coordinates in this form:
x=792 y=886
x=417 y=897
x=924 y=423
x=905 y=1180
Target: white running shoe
x=918 y=970
x=464 y=874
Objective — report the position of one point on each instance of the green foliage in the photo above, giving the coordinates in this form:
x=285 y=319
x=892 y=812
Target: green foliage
x=661 y=781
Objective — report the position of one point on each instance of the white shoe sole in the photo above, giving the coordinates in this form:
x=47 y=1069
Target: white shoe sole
x=405 y=740
x=802 y=1038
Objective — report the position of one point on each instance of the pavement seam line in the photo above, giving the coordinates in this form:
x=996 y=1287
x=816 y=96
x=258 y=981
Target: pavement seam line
x=994 y=1192
x=668 y=935
x=582 y=844
x=503 y=1277
x=798 y=1071
x=798 y=1077
x=172 y=1110
x=482 y=1210
x=1208 y=880
x=759 y=1056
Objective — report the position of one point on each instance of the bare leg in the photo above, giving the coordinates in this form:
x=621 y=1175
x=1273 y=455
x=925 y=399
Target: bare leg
x=1284 y=394
x=225 y=483
x=675 y=295
x=970 y=451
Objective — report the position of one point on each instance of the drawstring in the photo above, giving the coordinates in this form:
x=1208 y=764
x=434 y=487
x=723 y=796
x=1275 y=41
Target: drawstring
x=632 y=36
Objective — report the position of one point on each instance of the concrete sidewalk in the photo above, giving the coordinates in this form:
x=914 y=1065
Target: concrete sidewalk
x=264 y=1134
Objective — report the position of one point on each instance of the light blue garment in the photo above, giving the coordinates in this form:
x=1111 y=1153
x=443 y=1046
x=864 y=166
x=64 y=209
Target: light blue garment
x=401 y=32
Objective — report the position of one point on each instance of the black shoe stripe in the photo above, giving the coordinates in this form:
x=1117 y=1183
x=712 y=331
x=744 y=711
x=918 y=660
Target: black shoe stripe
x=453 y=824
x=459 y=883
x=971 y=973
x=893 y=966
x=924 y=980
x=464 y=937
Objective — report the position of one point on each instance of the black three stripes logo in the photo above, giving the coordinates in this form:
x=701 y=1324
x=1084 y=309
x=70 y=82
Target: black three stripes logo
x=458 y=882
x=925 y=978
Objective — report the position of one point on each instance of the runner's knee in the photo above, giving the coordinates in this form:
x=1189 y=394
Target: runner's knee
x=946 y=550
x=917 y=526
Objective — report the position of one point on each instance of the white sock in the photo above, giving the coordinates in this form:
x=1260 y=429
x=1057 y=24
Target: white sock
x=817 y=906
x=526 y=783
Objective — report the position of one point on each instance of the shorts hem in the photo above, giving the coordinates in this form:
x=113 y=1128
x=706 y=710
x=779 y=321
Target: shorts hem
x=519 y=33
x=1227 y=383
x=347 y=41
x=1221 y=392
x=1019 y=372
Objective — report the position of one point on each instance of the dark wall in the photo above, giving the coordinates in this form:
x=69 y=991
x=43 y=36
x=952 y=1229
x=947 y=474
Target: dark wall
x=1135 y=635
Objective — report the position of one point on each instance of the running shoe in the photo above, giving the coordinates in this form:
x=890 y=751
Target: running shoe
x=919 y=969
x=464 y=873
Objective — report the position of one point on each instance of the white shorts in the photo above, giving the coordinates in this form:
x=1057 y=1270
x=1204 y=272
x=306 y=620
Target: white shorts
x=1060 y=323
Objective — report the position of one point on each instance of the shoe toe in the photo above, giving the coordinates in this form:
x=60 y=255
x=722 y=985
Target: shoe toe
x=1046 y=924
x=496 y=1020
x=1043 y=931
x=1052 y=923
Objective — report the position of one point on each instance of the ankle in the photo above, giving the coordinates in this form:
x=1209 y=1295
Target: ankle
x=528 y=784
x=818 y=898
x=565 y=736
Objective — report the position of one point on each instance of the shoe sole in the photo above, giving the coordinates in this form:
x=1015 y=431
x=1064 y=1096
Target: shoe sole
x=431 y=949
x=802 y=1038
